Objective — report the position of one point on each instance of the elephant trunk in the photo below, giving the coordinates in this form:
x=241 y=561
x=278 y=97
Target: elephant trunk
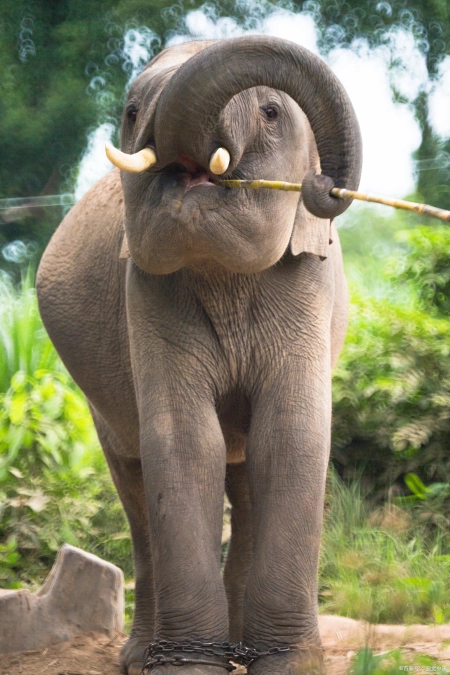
x=187 y=120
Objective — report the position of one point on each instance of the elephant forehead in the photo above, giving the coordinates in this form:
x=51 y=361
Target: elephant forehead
x=163 y=66
x=176 y=55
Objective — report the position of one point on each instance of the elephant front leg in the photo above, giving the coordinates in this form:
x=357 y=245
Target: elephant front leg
x=183 y=458
x=127 y=475
x=287 y=460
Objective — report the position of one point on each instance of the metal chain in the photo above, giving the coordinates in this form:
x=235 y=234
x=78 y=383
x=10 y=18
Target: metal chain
x=157 y=660
x=156 y=653
x=247 y=655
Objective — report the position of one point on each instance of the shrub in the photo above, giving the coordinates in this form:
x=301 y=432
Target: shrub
x=38 y=515
x=54 y=482
x=55 y=486
x=392 y=385
x=45 y=426
x=426 y=265
x=392 y=393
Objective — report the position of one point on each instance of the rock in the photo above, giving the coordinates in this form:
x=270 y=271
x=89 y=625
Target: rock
x=82 y=593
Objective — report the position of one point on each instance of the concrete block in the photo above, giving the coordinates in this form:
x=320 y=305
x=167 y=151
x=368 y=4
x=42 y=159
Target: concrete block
x=82 y=593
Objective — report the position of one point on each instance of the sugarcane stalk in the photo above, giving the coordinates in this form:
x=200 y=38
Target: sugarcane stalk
x=257 y=184
x=421 y=209
x=342 y=193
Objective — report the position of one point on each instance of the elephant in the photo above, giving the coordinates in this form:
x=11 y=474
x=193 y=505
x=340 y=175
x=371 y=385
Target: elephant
x=202 y=323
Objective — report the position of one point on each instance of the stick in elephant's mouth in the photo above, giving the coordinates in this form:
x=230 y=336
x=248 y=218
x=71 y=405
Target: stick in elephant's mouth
x=219 y=162
x=341 y=193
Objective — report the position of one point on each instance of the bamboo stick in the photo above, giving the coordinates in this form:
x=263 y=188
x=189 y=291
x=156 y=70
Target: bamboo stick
x=421 y=209
x=257 y=184
x=342 y=193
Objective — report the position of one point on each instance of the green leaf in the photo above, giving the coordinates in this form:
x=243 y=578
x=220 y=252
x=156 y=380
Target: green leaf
x=18 y=407
x=14 y=439
x=420 y=583
x=18 y=381
x=439 y=617
x=416 y=486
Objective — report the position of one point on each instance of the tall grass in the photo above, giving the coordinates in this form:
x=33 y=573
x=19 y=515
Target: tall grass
x=24 y=344
x=381 y=564
x=393 y=662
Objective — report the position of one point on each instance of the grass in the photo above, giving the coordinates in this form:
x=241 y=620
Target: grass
x=24 y=344
x=367 y=662
x=381 y=564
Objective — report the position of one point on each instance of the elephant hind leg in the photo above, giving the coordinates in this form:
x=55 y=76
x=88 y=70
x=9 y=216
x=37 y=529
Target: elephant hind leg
x=127 y=476
x=240 y=555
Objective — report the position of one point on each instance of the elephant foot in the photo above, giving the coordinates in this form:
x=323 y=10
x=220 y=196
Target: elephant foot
x=193 y=669
x=132 y=661
x=303 y=661
x=132 y=655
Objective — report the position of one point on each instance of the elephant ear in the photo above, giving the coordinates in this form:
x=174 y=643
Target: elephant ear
x=310 y=234
x=124 y=249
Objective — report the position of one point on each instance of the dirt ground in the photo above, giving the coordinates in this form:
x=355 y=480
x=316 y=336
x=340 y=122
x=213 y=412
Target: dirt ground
x=94 y=654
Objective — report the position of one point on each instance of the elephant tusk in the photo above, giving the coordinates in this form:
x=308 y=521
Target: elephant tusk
x=140 y=161
x=219 y=162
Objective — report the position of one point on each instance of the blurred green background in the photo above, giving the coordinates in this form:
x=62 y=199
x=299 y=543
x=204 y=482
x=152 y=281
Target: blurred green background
x=386 y=544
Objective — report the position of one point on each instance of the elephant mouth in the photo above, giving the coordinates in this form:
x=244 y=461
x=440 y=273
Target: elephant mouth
x=189 y=174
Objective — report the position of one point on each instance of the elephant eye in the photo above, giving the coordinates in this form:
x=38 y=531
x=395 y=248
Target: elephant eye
x=132 y=114
x=269 y=111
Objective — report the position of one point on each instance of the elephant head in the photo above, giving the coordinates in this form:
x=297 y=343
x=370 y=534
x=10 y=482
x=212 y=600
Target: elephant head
x=250 y=107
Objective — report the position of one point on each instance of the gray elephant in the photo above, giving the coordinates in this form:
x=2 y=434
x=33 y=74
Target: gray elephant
x=202 y=323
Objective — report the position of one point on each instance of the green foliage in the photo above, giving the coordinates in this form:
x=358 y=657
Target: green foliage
x=24 y=344
x=392 y=391
x=45 y=425
x=381 y=564
x=426 y=265
x=38 y=515
x=64 y=71
x=392 y=385
x=366 y=662
x=54 y=483
x=9 y=561
x=369 y=235
x=431 y=504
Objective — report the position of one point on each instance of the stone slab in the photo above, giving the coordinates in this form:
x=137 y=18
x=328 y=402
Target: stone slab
x=82 y=593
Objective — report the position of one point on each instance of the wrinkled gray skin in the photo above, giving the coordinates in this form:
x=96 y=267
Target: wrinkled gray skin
x=206 y=356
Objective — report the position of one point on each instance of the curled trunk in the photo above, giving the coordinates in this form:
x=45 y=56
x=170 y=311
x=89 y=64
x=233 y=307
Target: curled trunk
x=188 y=113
